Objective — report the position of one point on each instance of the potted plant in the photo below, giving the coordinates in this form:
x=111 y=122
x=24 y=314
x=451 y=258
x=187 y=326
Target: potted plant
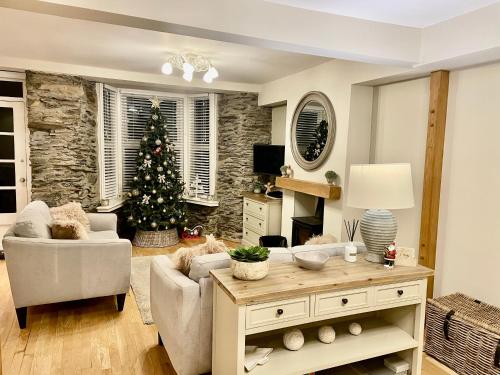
x=257 y=187
x=331 y=176
x=283 y=170
x=250 y=263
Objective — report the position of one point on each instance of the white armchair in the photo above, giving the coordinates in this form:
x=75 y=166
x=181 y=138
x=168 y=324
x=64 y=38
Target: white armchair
x=45 y=270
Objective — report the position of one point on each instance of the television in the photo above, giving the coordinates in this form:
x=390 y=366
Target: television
x=267 y=159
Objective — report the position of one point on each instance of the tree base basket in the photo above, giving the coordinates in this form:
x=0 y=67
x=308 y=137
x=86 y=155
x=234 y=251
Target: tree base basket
x=160 y=238
x=464 y=334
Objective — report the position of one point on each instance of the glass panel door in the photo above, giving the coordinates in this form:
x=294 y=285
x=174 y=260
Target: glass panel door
x=13 y=190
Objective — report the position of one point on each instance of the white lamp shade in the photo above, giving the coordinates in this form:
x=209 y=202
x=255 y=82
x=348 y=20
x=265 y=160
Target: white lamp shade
x=380 y=186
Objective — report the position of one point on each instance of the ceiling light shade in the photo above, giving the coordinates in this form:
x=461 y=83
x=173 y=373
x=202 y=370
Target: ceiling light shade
x=188 y=76
x=207 y=78
x=188 y=68
x=213 y=72
x=167 y=68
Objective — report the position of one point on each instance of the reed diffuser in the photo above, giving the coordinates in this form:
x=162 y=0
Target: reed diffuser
x=351 y=251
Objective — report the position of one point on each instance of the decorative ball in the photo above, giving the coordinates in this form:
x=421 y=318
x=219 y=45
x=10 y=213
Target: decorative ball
x=129 y=194
x=169 y=172
x=147 y=178
x=159 y=169
x=355 y=329
x=165 y=136
x=293 y=339
x=153 y=224
x=153 y=191
x=140 y=153
x=130 y=218
x=157 y=142
x=326 y=334
x=160 y=200
x=145 y=139
x=139 y=221
x=165 y=163
x=170 y=197
x=135 y=192
x=144 y=218
x=136 y=178
x=173 y=158
x=172 y=220
x=147 y=156
x=152 y=127
x=154 y=117
x=164 y=210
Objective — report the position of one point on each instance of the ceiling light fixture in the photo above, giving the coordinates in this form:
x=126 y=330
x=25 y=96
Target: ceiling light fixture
x=190 y=64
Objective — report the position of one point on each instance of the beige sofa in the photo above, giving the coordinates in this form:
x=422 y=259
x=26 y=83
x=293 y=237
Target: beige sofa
x=44 y=270
x=182 y=306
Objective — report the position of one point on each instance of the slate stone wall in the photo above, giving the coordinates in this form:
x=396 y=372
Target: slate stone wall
x=62 y=120
x=241 y=124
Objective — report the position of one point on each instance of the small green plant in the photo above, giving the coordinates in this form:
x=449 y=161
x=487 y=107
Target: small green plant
x=250 y=254
x=331 y=175
x=283 y=169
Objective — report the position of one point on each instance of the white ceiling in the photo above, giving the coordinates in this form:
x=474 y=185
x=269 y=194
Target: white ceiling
x=72 y=41
x=414 y=13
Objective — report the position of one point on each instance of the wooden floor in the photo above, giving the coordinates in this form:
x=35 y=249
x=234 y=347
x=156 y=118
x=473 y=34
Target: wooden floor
x=89 y=336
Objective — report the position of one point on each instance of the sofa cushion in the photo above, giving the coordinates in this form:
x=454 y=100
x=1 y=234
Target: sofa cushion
x=34 y=221
x=201 y=265
x=184 y=256
x=333 y=249
x=103 y=235
x=68 y=230
x=71 y=211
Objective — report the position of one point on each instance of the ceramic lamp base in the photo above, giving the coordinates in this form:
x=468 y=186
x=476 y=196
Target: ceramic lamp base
x=378 y=229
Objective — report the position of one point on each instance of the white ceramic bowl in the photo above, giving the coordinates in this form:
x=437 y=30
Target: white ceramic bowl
x=312 y=260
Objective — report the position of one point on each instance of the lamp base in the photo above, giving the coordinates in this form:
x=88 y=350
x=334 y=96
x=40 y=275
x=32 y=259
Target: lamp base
x=378 y=229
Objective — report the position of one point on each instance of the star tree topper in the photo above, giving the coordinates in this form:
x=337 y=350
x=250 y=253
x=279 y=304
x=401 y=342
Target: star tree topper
x=155 y=102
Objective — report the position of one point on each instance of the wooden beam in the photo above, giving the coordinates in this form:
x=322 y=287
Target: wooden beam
x=438 y=104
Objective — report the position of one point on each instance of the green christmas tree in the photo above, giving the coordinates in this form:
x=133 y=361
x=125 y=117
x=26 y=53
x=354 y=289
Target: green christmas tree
x=314 y=149
x=155 y=198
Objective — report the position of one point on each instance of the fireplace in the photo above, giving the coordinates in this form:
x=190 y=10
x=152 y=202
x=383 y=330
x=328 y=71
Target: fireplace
x=304 y=227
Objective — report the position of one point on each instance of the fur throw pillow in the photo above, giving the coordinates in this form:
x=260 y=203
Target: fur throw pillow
x=71 y=211
x=183 y=257
x=68 y=230
x=321 y=240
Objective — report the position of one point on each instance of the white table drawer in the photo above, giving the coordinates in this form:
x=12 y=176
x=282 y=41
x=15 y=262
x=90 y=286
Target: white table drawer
x=254 y=208
x=330 y=303
x=250 y=236
x=276 y=312
x=254 y=223
x=397 y=292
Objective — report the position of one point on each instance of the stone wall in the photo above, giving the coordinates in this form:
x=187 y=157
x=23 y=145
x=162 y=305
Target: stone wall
x=241 y=124
x=62 y=119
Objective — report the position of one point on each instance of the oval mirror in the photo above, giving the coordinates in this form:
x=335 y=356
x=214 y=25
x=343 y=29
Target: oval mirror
x=313 y=130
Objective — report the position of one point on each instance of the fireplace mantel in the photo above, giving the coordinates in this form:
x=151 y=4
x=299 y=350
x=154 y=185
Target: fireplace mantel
x=307 y=187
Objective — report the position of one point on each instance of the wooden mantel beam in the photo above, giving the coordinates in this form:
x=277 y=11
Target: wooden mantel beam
x=438 y=105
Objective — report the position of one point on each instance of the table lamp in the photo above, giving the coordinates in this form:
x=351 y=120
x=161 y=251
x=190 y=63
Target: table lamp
x=379 y=188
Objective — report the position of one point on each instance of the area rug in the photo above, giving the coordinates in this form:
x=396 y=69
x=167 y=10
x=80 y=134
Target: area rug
x=139 y=280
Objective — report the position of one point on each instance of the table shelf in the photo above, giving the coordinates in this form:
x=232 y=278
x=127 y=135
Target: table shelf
x=378 y=338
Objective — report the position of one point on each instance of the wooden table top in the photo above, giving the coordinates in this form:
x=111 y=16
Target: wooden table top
x=288 y=280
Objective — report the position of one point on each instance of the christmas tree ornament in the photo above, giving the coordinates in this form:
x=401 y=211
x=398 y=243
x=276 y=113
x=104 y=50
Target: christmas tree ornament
x=139 y=221
x=164 y=210
x=152 y=127
x=154 y=117
x=145 y=139
x=147 y=177
x=135 y=192
x=129 y=194
x=171 y=197
x=144 y=218
x=165 y=163
x=136 y=178
x=145 y=200
x=140 y=153
x=172 y=220
x=154 y=191
x=153 y=224
x=148 y=156
x=157 y=151
x=157 y=142
x=160 y=200
x=155 y=102
x=159 y=169
x=161 y=179
x=169 y=172
x=130 y=218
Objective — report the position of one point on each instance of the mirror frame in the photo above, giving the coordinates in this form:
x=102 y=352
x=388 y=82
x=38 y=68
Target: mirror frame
x=332 y=129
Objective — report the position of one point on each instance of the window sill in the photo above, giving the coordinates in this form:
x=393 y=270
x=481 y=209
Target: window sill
x=201 y=202
x=111 y=207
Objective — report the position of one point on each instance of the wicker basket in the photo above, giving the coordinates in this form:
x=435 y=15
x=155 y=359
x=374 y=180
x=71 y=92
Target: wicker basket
x=464 y=334
x=160 y=238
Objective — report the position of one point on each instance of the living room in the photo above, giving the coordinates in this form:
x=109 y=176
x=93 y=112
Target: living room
x=266 y=187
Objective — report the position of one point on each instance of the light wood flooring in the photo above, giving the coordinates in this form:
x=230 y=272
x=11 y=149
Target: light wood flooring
x=90 y=336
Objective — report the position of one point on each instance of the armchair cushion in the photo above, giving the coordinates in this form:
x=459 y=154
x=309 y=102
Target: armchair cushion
x=103 y=235
x=71 y=211
x=34 y=221
x=68 y=230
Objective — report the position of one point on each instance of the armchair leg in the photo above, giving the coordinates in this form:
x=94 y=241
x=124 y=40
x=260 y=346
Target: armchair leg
x=22 y=313
x=160 y=341
x=120 y=301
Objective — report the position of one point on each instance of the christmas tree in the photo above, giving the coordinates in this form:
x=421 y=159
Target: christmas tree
x=155 y=198
x=314 y=149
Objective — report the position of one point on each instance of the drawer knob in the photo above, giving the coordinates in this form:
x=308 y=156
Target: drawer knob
x=400 y=292
x=279 y=312
x=344 y=301
x=260 y=208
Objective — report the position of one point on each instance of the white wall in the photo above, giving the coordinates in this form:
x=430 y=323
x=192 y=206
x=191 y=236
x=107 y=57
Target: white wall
x=399 y=135
x=468 y=257
x=335 y=79
x=278 y=129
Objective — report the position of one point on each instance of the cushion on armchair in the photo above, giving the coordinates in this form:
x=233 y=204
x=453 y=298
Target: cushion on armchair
x=71 y=211
x=34 y=221
x=68 y=230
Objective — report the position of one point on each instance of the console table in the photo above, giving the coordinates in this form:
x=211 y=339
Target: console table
x=389 y=305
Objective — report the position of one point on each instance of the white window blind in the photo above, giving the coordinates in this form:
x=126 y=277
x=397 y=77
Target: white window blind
x=109 y=144
x=135 y=112
x=306 y=129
